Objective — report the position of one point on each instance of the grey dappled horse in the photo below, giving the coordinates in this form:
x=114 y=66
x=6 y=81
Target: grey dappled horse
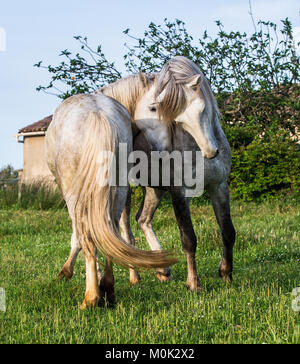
x=181 y=84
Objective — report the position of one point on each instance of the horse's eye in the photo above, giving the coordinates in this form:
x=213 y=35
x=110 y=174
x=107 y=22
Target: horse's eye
x=152 y=108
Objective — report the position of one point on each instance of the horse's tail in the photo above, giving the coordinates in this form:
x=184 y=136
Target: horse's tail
x=95 y=199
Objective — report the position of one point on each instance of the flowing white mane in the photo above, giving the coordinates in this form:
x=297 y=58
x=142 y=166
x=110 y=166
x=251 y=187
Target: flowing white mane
x=127 y=91
x=175 y=74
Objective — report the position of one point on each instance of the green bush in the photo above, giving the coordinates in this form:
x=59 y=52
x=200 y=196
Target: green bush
x=264 y=167
x=255 y=77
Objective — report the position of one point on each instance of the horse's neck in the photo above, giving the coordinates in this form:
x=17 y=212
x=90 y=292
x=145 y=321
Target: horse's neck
x=183 y=141
x=126 y=91
x=157 y=133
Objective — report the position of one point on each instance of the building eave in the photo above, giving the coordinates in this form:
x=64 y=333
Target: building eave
x=29 y=134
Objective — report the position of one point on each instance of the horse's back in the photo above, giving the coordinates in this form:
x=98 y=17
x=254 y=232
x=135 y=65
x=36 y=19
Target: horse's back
x=68 y=118
x=66 y=135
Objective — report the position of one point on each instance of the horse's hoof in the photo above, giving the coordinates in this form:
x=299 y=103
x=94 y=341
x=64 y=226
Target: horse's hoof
x=107 y=298
x=227 y=278
x=65 y=274
x=107 y=293
x=89 y=303
x=225 y=272
x=193 y=286
x=134 y=278
x=164 y=276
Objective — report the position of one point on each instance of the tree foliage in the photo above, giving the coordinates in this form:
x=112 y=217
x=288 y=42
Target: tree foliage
x=8 y=173
x=79 y=74
x=256 y=79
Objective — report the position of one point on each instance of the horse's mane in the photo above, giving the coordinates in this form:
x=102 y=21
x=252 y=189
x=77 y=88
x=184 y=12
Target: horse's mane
x=127 y=91
x=177 y=72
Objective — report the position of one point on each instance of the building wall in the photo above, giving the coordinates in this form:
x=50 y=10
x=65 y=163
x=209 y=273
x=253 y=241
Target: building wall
x=35 y=166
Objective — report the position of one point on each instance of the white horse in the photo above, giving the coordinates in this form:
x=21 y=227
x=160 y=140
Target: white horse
x=81 y=144
x=178 y=98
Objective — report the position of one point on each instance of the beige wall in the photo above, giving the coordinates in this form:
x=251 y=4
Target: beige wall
x=35 y=166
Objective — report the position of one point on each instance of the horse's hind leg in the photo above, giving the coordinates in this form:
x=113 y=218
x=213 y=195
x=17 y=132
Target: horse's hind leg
x=92 y=294
x=152 y=199
x=127 y=235
x=68 y=268
x=92 y=271
x=188 y=237
x=220 y=200
x=107 y=283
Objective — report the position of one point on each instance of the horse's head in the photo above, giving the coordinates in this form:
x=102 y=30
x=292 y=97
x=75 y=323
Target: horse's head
x=147 y=119
x=197 y=117
x=182 y=94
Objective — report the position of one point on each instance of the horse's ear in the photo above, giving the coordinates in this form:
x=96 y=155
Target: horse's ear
x=195 y=81
x=143 y=78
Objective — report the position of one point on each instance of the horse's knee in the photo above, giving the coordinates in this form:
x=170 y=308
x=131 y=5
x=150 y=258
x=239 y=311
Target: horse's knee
x=143 y=222
x=140 y=218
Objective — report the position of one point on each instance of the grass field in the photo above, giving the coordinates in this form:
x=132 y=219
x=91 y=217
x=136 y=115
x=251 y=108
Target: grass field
x=255 y=308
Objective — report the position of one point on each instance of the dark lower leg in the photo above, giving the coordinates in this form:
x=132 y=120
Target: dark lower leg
x=228 y=237
x=221 y=205
x=107 y=282
x=192 y=283
x=188 y=239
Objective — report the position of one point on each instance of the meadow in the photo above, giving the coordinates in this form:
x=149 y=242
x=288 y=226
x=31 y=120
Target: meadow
x=255 y=308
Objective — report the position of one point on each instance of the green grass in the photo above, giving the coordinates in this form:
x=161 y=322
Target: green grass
x=255 y=308
x=35 y=196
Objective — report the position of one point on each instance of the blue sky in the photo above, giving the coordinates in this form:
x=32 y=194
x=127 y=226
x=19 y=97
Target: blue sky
x=38 y=30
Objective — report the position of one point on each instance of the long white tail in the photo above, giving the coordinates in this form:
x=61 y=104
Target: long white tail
x=94 y=201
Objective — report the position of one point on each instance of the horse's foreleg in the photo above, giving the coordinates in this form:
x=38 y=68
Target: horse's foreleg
x=220 y=200
x=152 y=199
x=188 y=237
x=127 y=235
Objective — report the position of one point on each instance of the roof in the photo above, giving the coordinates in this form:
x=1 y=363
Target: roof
x=41 y=125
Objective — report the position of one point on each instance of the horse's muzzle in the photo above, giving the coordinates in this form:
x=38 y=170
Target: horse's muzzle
x=212 y=155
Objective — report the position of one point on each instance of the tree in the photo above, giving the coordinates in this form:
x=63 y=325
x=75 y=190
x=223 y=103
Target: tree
x=8 y=173
x=256 y=79
x=78 y=74
x=231 y=61
x=244 y=71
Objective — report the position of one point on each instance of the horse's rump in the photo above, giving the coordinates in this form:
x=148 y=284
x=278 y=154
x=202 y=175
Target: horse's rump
x=83 y=174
